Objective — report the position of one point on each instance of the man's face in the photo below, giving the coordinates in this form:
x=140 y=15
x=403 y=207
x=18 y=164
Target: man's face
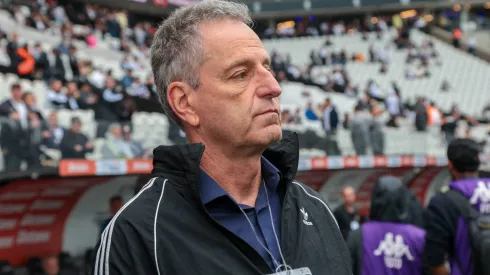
x=237 y=102
x=57 y=85
x=116 y=132
x=16 y=94
x=53 y=120
x=349 y=196
x=72 y=87
x=76 y=127
x=51 y=266
x=30 y=100
x=110 y=83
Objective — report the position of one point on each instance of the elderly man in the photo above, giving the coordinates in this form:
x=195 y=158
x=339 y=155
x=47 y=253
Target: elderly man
x=227 y=203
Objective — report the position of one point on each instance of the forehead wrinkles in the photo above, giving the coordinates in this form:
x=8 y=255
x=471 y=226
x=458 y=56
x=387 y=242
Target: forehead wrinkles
x=219 y=42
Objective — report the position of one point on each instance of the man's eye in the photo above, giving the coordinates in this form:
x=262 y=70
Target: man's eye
x=240 y=76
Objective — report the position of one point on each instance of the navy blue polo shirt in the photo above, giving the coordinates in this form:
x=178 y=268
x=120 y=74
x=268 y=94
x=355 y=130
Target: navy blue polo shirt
x=224 y=209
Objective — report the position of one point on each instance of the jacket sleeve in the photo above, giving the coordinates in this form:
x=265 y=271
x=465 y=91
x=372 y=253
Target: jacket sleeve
x=122 y=251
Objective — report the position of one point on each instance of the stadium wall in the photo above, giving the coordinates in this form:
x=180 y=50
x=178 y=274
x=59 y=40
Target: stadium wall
x=53 y=214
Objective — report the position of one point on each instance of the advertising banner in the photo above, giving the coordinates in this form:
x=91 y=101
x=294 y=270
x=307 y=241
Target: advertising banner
x=69 y=167
x=33 y=215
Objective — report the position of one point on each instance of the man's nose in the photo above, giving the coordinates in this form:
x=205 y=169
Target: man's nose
x=268 y=85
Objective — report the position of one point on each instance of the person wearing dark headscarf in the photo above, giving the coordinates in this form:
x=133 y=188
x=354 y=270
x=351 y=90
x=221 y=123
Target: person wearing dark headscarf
x=389 y=243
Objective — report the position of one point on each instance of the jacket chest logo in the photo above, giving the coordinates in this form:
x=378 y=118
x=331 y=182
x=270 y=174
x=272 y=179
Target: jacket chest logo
x=305 y=216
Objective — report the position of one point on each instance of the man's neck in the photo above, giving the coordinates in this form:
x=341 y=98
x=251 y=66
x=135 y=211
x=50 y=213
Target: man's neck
x=239 y=176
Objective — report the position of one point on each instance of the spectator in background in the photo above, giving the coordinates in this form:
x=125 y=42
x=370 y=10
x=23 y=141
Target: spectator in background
x=56 y=98
x=152 y=88
x=392 y=102
x=450 y=124
x=87 y=98
x=31 y=152
x=74 y=62
x=457 y=33
x=136 y=147
x=434 y=115
x=113 y=107
x=11 y=48
x=139 y=89
x=51 y=266
x=330 y=124
x=472 y=45
x=64 y=47
x=14 y=108
x=359 y=126
x=376 y=133
x=421 y=118
x=296 y=118
x=74 y=144
x=311 y=113
x=115 y=203
x=57 y=70
x=42 y=62
x=31 y=104
x=347 y=214
x=73 y=96
x=114 y=146
x=26 y=62
x=127 y=80
x=53 y=135
x=15 y=129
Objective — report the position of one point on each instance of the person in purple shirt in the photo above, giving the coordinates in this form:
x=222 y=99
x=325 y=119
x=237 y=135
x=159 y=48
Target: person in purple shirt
x=390 y=243
x=447 y=236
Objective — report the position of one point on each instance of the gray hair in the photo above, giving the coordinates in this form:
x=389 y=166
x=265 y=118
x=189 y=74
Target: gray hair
x=176 y=52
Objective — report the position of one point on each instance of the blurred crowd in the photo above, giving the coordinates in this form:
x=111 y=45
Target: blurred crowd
x=33 y=136
x=27 y=136
x=30 y=129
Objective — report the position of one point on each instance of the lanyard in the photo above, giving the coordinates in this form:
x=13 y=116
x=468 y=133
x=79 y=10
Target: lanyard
x=276 y=262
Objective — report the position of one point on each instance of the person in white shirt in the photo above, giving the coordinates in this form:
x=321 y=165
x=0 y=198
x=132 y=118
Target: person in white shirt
x=393 y=106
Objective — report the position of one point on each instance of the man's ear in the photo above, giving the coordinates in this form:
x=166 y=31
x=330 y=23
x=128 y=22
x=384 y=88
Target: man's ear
x=180 y=98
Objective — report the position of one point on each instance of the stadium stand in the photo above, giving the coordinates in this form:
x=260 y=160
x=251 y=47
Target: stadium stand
x=449 y=69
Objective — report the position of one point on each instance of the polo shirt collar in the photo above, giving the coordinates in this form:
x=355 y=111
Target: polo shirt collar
x=210 y=189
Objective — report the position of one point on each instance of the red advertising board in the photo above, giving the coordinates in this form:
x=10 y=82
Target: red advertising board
x=33 y=214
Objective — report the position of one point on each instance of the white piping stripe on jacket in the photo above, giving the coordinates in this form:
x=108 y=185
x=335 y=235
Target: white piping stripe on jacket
x=320 y=200
x=102 y=260
x=155 y=227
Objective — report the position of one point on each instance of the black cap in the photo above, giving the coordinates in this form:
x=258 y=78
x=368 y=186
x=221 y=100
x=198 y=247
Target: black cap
x=464 y=154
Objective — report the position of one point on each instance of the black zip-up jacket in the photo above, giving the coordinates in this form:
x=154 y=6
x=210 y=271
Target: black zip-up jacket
x=165 y=228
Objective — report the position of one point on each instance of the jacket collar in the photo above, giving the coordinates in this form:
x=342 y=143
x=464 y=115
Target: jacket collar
x=181 y=163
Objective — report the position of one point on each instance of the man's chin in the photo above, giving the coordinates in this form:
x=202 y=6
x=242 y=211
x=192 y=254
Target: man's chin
x=274 y=133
